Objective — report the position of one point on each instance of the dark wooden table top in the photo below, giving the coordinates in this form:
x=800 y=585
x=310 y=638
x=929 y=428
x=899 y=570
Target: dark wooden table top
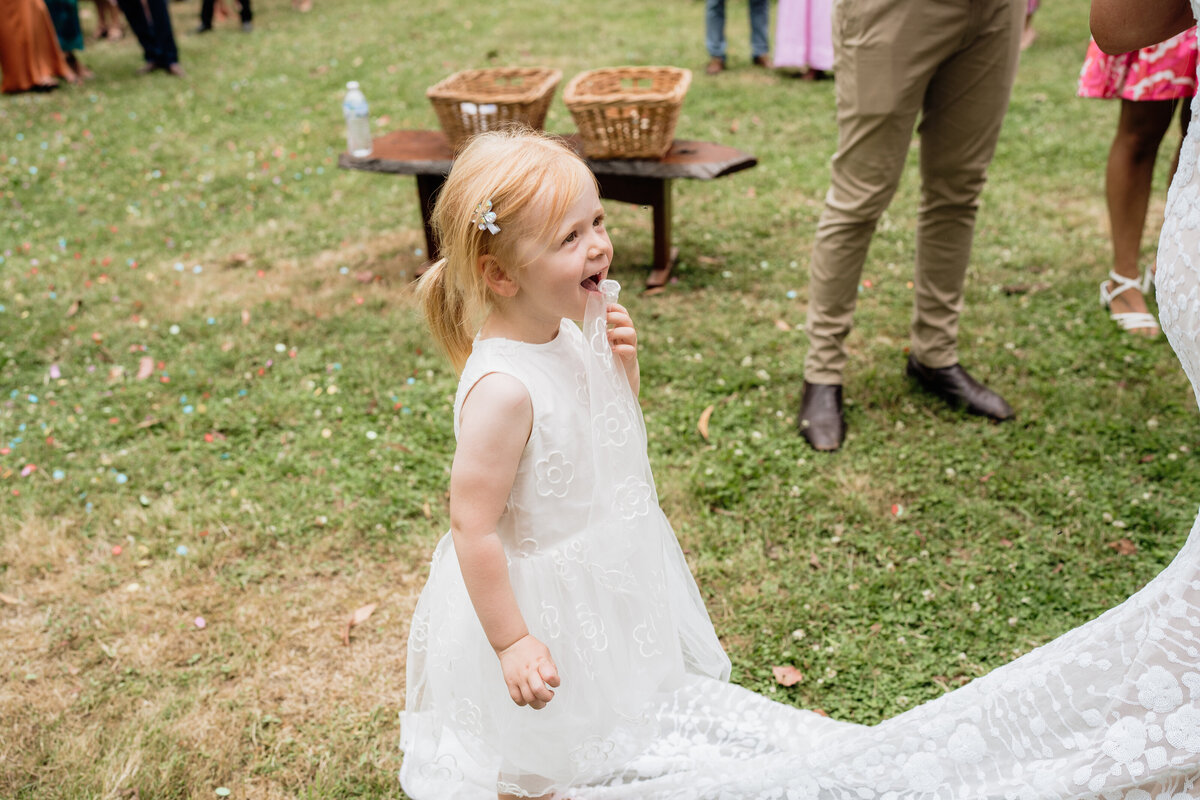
x=427 y=152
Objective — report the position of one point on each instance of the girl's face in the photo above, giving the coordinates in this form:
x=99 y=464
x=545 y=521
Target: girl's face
x=559 y=275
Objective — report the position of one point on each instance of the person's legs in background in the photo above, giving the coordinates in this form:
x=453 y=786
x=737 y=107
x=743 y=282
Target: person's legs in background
x=1128 y=181
x=714 y=35
x=760 y=23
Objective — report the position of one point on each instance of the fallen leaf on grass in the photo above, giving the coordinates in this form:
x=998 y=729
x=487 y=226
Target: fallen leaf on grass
x=702 y=425
x=787 y=675
x=814 y=562
x=357 y=618
x=783 y=326
x=74 y=308
x=12 y=601
x=1124 y=547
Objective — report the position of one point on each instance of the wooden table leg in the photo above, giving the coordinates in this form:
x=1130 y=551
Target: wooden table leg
x=656 y=193
x=665 y=255
x=427 y=188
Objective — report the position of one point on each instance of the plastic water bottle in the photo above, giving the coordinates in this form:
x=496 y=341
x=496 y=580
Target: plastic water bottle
x=358 y=122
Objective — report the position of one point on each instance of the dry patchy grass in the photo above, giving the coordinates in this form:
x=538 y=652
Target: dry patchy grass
x=118 y=683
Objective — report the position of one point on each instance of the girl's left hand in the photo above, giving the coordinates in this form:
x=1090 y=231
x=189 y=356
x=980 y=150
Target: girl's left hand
x=622 y=336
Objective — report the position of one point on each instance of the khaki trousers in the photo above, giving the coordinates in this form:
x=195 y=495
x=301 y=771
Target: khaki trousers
x=952 y=62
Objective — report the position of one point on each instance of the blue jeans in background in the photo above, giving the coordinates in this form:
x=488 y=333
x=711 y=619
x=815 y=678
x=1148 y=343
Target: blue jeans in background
x=714 y=27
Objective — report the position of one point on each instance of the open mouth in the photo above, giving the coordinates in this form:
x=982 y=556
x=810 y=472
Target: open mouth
x=592 y=282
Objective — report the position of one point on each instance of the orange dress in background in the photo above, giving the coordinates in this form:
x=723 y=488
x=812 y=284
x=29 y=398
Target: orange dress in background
x=29 y=52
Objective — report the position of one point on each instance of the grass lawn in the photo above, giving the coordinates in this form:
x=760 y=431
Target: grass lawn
x=223 y=428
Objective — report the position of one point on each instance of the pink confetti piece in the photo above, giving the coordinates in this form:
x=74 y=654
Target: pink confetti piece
x=55 y=372
x=200 y=623
x=28 y=470
x=145 y=367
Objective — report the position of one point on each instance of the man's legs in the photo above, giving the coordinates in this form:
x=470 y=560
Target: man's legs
x=962 y=115
x=877 y=107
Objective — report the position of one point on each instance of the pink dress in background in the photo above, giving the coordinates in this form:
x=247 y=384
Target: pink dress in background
x=1165 y=71
x=804 y=34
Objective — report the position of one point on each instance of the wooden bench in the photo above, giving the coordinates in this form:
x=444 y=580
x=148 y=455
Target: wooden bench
x=426 y=154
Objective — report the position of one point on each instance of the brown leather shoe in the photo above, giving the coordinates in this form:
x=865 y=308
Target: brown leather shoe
x=960 y=390
x=175 y=69
x=716 y=64
x=762 y=61
x=821 y=421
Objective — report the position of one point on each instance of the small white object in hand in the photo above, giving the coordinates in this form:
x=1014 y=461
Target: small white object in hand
x=610 y=289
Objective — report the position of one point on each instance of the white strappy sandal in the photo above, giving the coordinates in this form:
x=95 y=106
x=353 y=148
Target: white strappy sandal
x=1130 y=320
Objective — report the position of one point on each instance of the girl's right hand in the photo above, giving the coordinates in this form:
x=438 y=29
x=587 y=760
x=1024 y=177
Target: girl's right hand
x=529 y=672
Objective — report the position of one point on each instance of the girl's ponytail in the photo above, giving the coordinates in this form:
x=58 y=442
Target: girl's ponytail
x=446 y=312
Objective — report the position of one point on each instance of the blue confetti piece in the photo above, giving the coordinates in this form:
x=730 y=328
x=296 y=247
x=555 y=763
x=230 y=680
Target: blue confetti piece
x=181 y=550
x=33 y=398
x=58 y=474
x=410 y=381
x=187 y=409
x=212 y=321
x=791 y=294
x=122 y=478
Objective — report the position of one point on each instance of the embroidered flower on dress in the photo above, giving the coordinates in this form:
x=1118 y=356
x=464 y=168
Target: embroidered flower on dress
x=612 y=426
x=554 y=474
x=1159 y=691
x=468 y=716
x=967 y=744
x=632 y=498
x=591 y=628
x=1125 y=740
x=549 y=620
x=592 y=752
x=647 y=640
x=1183 y=729
x=445 y=768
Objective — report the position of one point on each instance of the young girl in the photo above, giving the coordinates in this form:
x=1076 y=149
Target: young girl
x=559 y=610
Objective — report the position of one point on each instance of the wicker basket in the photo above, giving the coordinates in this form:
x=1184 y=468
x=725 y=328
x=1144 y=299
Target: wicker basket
x=627 y=112
x=477 y=100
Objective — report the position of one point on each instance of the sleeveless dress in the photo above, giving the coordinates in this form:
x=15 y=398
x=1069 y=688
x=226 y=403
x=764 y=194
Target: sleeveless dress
x=599 y=578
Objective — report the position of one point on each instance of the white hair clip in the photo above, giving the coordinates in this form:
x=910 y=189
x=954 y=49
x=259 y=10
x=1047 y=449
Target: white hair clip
x=485 y=218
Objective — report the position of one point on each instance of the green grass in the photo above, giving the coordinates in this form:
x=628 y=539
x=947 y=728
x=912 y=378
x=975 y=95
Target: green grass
x=294 y=433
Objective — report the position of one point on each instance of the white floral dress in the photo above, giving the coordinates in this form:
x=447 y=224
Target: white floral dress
x=599 y=578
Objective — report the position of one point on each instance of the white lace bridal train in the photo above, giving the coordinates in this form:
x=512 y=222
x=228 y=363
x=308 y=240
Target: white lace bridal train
x=1110 y=710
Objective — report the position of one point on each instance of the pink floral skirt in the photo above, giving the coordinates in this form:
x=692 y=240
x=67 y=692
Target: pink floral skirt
x=1165 y=71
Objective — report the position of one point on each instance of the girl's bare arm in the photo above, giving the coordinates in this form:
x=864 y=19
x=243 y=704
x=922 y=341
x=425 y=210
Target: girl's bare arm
x=494 y=426
x=1120 y=26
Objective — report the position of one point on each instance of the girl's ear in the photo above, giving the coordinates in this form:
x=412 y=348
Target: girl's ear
x=496 y=278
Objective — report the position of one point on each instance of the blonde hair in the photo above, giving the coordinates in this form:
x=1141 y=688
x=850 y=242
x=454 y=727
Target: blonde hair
x=531 y=180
